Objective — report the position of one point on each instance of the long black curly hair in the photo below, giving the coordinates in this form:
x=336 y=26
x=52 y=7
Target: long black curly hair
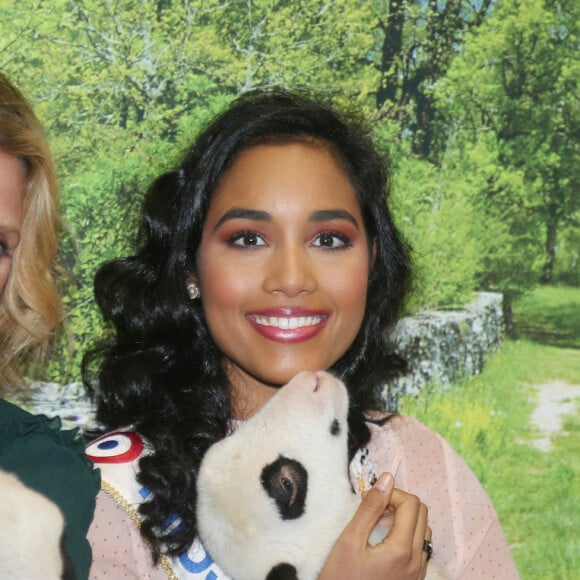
x=161 y=370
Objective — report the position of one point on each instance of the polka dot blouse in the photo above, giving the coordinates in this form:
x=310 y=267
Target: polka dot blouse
x=468 y=541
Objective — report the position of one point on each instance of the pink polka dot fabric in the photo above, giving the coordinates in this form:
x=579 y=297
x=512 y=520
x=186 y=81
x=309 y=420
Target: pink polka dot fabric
x=468 y=540
x=119 y=551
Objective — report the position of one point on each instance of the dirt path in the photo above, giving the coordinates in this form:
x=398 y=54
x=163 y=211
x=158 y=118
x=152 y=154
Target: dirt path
x=554 y=401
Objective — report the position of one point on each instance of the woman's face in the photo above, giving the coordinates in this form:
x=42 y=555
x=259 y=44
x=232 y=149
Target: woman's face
x=12 y=181
x=283 y=267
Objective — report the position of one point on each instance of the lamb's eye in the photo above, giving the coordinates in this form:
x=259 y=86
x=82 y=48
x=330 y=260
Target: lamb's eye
x=287 y=485
x=286 y=482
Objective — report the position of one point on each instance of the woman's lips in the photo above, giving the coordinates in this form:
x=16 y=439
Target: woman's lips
x=288 y=325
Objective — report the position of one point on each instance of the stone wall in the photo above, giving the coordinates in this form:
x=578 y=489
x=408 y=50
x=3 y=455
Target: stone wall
x=446 y=346
x=69 y=402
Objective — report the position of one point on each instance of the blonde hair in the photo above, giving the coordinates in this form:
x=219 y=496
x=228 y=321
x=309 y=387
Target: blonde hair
x=30 y=307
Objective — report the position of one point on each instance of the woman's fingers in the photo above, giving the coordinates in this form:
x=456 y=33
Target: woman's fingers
x=421 y=528
x=410 y=517
x=400 y=555
x=408 y=534
x=422 y=533
x=427 y=541
x=424 y=554
x=373 y=505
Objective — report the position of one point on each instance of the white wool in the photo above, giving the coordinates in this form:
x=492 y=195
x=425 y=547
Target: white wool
x=31 y=527
x=239 y=523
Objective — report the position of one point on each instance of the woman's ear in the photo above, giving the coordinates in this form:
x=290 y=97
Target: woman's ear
x=373 y=254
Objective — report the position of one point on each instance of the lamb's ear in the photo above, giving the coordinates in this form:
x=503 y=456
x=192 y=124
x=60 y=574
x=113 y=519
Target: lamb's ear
x=282 y=572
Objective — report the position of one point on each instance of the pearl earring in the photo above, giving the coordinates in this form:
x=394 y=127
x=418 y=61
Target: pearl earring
x=193 y=291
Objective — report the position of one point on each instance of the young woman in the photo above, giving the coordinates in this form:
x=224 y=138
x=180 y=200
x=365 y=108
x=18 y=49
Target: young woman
x=29 y=303
x=34 y=448
x=269 y=250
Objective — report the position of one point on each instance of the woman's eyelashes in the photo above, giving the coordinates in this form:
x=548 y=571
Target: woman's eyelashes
x=5 y=251
x=326 y=240
x=246 y=239
x=332 y=241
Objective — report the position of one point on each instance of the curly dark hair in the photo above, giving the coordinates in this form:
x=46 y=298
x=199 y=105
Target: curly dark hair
x=161 y=370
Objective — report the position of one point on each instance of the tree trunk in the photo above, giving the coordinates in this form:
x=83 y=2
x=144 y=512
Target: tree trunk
x=391 y=52
x=551 y=238
x=508 y=315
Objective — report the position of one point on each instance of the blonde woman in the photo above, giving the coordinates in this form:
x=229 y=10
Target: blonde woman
x=29 y=303
x=46 y=459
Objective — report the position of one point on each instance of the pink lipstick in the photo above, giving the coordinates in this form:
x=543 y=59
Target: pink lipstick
x=288 y=324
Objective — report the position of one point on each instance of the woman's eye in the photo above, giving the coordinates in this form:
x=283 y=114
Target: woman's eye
x=331 y=240
x=4 y=249
x=247 y=240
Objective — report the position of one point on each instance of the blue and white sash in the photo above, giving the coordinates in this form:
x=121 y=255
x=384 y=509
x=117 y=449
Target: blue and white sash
x=117 y=455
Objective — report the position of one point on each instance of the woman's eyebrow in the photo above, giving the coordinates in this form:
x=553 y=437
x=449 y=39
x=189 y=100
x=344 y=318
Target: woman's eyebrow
x=322 y=215
x=241 y=213
x=325 y=215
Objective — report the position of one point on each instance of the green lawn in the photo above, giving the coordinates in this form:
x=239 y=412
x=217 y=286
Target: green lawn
x=550 y=315
x=487 y=420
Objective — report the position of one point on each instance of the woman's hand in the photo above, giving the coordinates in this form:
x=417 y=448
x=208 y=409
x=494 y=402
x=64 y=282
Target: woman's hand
x=400 y=556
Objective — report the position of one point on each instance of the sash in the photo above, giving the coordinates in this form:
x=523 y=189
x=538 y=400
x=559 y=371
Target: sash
x=117 y=455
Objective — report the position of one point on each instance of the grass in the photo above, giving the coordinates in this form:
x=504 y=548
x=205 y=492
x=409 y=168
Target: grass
x=550 y=315
x=487 y=420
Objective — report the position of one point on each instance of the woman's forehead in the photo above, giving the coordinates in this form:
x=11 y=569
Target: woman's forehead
x=280 y=177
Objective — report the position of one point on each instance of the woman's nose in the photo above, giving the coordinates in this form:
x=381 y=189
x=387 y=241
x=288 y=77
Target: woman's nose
x=290 y=272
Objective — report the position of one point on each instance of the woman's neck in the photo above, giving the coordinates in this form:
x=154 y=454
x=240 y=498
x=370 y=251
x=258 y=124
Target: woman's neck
x=248 y=395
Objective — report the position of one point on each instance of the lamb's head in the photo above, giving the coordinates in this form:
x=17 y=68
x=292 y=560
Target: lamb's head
x=273 y=496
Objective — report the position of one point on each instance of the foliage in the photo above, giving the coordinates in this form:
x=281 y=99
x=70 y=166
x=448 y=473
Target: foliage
x=415 y=44
x=505 y=233
x=525 y=93
x=438 y=222
x=567 y=266
x=122 y=87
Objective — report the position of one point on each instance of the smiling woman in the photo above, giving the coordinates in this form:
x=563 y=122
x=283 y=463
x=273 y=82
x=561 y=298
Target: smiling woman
x=45 y=477
x=268 y=251
x=29 y=302
x=289 y=214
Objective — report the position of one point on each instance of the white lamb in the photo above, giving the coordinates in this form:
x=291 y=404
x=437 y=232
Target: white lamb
x=274 y=496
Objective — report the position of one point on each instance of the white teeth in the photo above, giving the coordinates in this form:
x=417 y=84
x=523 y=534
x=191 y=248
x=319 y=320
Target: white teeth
x=286 y=323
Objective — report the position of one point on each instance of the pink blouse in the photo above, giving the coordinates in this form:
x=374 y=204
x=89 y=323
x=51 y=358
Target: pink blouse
x=468 y=540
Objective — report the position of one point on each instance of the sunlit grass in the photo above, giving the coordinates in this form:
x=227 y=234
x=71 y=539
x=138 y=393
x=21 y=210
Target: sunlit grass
x=487 y=420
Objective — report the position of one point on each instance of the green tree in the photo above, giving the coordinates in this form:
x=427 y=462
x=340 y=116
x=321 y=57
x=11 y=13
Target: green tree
x=416 y=43
x=518 y=81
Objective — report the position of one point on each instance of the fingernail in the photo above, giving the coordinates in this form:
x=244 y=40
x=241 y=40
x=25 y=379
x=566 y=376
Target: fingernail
x=385 y=482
